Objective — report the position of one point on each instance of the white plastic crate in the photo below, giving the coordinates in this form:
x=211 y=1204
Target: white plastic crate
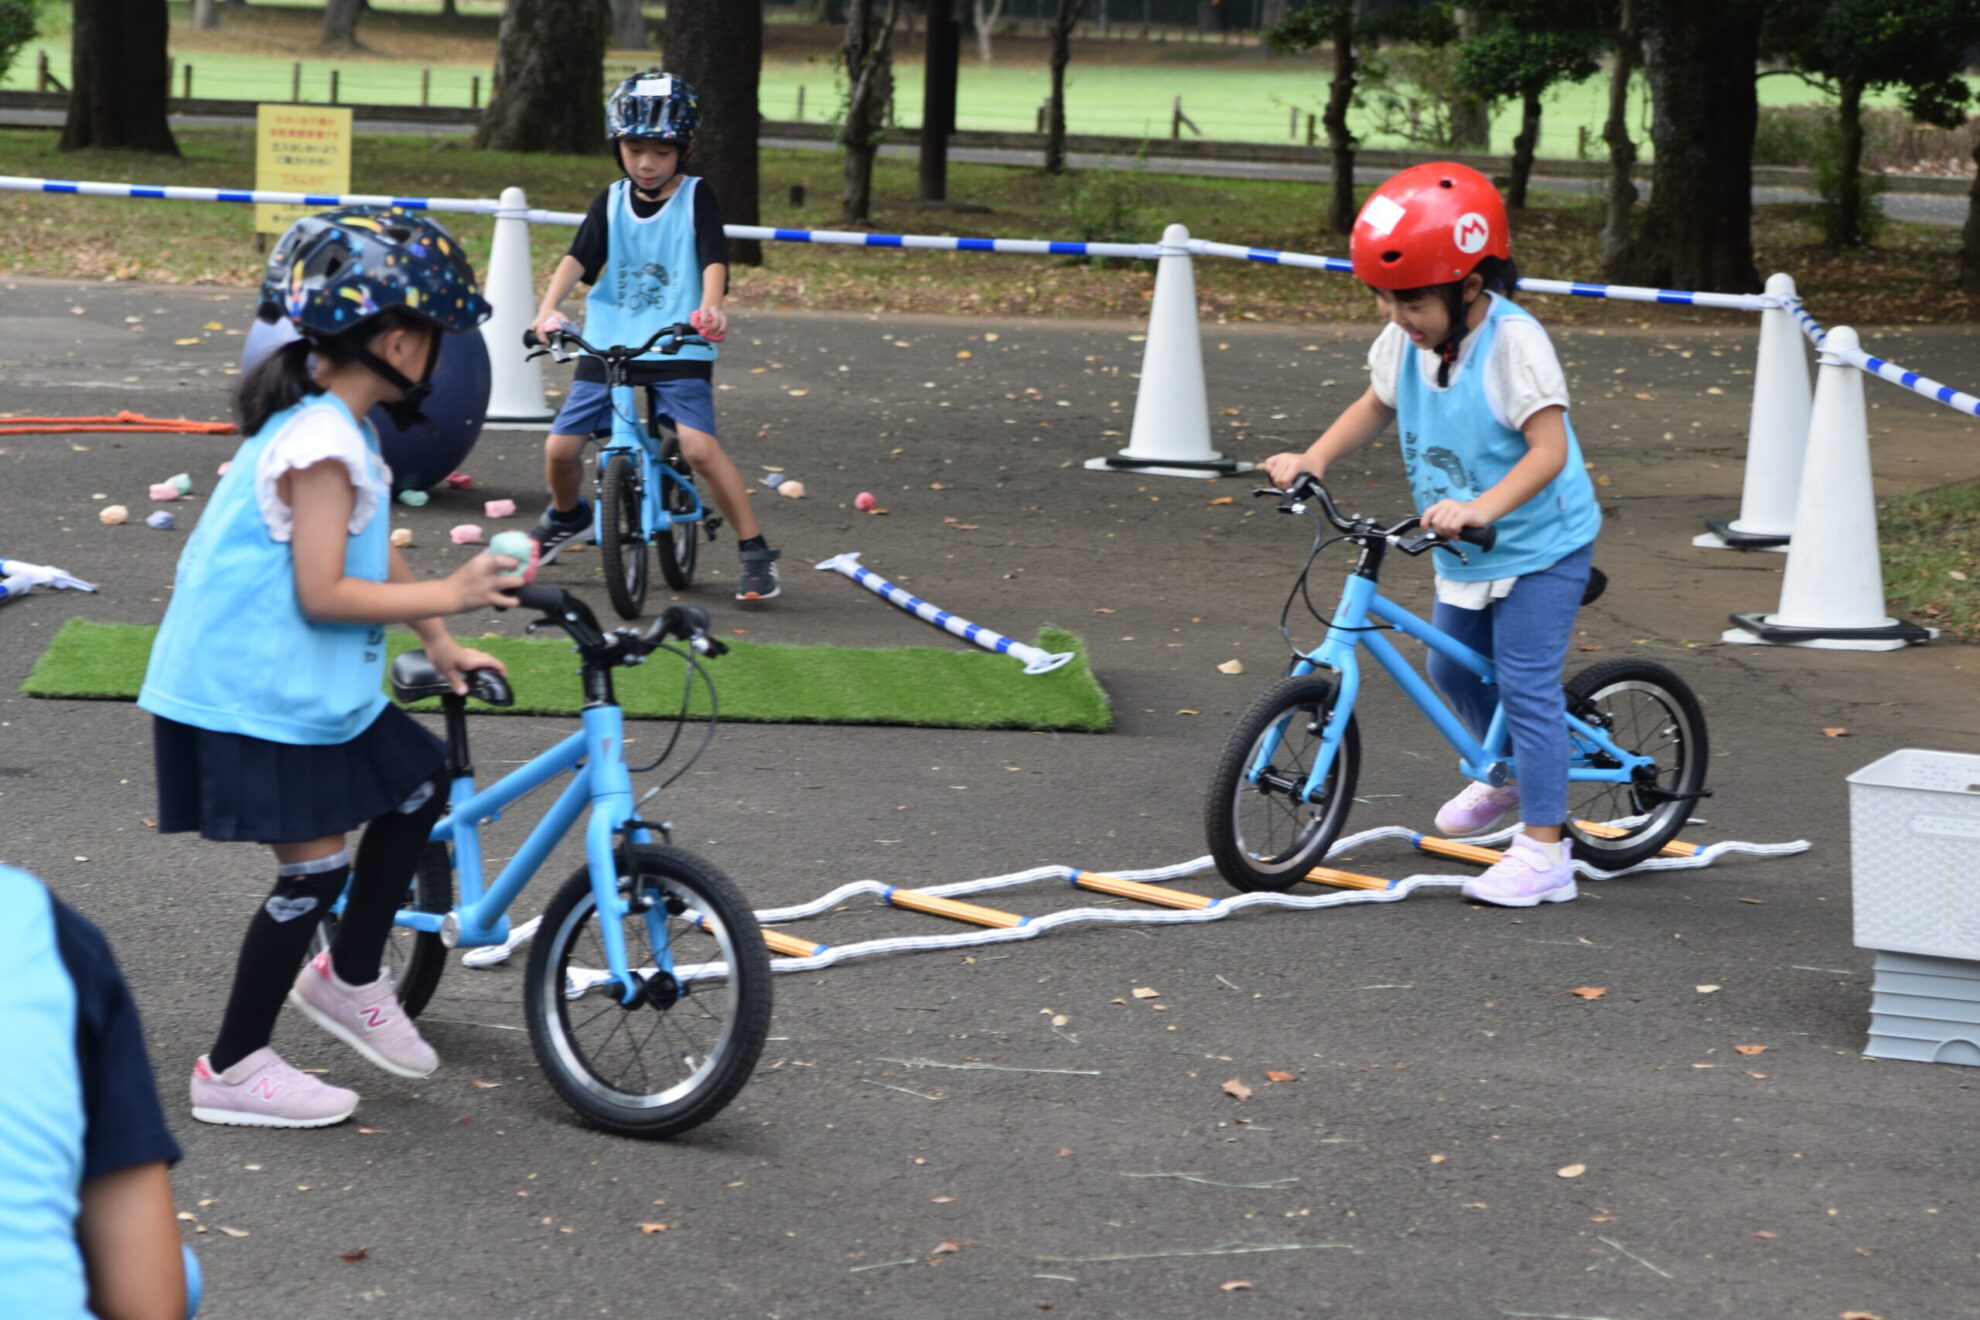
x=1926 y=1010
x=1914 y=823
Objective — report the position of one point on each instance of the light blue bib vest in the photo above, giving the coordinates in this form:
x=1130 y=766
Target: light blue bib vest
x=41 y=1121
x=236 y=654
x=1454 y=449
x=652 y=274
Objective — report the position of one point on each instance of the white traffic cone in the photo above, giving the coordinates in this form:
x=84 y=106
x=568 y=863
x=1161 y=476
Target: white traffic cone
x=1832 y=595
x=1776 y=436
x=515 y=396
x=1171 y=432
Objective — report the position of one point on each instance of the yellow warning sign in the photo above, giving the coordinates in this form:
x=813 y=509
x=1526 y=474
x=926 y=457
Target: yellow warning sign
x=299 y=148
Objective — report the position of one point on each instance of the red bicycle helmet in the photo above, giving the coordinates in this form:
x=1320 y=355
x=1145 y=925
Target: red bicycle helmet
x=1429 y=225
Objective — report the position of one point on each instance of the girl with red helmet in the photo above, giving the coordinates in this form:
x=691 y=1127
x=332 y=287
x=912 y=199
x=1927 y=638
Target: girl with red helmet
x=1481 y=410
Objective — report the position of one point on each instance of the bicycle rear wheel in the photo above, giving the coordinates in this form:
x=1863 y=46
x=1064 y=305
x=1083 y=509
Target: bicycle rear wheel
x=1646 y=710
x=1262 y=834
x=678 y=549
x=414 y=958
x=622 y=544
x=686 y=1045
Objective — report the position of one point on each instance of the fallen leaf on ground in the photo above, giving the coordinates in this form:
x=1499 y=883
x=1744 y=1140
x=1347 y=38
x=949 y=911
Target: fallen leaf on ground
x=357 y=1255
x=1236 y=1285
x=487 y=1086
x=1571 y=1171
x=233 y=1232
x=1860 y=1315
x=1766 y=1233
x=1231 y=667
x=1186 y=711
x=648 y=1227
x=1102 y=610
x=1589 y=991
x=1274 y=1075
x=1707 y=989
x=1225 y=499
x=946 y=1247
x=1438 y=1159
x=1750 y=1049
x=1237 y=1090
x=1835 y=733
x=1145 y=992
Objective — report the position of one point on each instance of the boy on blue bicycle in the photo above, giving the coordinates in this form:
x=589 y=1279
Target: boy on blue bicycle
x=1481 y=409
x=652 y=249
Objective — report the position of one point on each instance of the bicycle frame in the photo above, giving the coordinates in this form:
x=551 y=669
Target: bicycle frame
x=599 y=779
x=1490 y=760
x=633 y=439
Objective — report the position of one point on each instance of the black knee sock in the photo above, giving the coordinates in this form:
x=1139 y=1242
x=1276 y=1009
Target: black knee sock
x=753 y=543
x=386 y=859
x=277 y=940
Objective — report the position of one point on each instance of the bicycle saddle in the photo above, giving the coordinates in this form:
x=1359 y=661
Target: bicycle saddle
x=1598 y=582
x=414 y=679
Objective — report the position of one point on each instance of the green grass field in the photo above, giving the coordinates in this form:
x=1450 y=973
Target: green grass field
x=1234 y=93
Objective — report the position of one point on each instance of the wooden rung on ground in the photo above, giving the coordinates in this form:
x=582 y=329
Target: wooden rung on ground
x=1463 y=852
x=1119 y=888
x=915 y=901
x=790 y=945
x=1600 y=831
x=1327 y=875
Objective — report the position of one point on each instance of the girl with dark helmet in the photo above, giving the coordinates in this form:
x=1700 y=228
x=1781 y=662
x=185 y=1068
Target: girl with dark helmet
x=1480 y=406
x=265 y=681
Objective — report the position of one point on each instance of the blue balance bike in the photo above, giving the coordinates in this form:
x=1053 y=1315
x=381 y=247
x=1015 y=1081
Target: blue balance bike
x=1285 y=781
x=645 y=490
x=648 y=987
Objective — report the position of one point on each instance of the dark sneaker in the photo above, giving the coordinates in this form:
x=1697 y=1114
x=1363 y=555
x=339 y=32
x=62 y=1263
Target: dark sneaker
x=759 y=575
x=553 y=531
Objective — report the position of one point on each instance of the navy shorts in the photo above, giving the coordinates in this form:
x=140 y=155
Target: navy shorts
x=588 y=409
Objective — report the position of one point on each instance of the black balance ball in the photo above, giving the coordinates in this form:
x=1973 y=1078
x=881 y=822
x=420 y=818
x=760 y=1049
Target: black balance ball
x=422 y=455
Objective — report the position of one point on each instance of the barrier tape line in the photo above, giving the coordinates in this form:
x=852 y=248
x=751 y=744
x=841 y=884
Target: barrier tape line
x=1925 y=386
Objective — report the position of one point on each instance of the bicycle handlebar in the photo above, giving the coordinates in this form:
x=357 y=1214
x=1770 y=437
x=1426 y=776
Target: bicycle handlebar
x=1306 y=486
x=682 y=334
x=689 y=623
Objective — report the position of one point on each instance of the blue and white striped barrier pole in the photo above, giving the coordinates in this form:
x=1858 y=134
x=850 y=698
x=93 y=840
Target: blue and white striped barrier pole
x=1036 y=247
x=18 y=578
x=1957 y=400
x=245 y=196
x=1036 y=660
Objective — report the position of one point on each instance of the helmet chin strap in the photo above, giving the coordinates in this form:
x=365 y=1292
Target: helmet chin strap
x=1460 y=314
x=406 y=410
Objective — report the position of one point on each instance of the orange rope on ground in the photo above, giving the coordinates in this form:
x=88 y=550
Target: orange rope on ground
x=136 y=423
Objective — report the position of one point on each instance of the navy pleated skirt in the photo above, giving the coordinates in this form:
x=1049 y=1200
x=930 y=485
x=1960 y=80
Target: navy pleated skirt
x=232 y=787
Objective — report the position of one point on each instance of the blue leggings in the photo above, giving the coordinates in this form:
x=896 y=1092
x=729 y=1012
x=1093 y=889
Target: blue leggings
x=1526 y=634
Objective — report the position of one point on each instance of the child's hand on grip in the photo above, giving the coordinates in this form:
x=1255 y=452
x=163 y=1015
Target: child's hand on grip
x=1285 y=468
x=486 y=580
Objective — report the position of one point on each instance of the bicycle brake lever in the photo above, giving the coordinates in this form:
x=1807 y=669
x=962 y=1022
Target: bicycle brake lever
x=709 y=646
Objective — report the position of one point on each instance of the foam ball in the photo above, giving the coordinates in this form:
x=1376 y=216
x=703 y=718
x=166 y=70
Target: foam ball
x=112 y=514
x=161 y=521
x=420 y=456
x=793 y=490
x=183 y=482
x=165 y=490
x=864 y=501
x=521 y=547
x=466 y=534
x=500 y=508
x=402 y=537
x=414 y=499
x=459 y=481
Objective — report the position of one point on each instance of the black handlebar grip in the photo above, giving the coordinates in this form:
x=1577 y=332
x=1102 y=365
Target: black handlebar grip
x=491 y=687
x=1482 y=537
x=531 y=339
x=544 y=600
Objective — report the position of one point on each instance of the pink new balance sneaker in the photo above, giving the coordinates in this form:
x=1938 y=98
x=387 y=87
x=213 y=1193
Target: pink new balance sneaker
x=1477 y=809
x=263 y=1091
x=368 y=1018
x=1525 y=876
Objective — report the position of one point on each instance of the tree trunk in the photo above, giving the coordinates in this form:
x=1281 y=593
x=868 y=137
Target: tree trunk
x=1697 y=230
x=869 y=63
x=340 y=20
x=119 y=80
x=548 y=54
x=938 y=98
x=1471 y=116
x=987 y=14
x=1063 y=19
x=1523 y=148
x=717 y=46
x=1846 y=224
x=629 y=25
x=1969 y=245
x=206 y=15
x=450 y=8
x=1621 y=193
x=1340 y=95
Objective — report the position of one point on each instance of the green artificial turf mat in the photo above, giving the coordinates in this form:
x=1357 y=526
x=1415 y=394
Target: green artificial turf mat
x=919 y=685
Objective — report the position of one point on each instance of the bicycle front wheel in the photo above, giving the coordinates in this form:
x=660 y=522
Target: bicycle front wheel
x=414 y=958
x=1263 y=834
x=1646 y=710
x=683 y=1048
x=678 y=549
x=622 y=547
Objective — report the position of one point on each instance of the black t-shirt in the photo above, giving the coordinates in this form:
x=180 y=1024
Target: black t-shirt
x=124 y=1124
x=592 y=247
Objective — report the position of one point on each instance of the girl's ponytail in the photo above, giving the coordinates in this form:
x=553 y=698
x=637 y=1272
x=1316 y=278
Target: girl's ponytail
x=280 y=380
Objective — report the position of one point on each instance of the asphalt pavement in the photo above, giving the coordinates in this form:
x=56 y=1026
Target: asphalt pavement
x=1446 y=1084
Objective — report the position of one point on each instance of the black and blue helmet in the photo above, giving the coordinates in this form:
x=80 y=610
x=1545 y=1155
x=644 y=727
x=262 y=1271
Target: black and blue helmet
x=653 y=105
x=332 y=271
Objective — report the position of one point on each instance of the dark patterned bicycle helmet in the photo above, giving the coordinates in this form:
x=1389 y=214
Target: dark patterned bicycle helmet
x=332 y=271
x=652 y=105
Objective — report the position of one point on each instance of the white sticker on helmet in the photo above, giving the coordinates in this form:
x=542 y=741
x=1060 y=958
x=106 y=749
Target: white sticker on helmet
x=654 y=86
x=1471 y=232
x=1381 y=215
